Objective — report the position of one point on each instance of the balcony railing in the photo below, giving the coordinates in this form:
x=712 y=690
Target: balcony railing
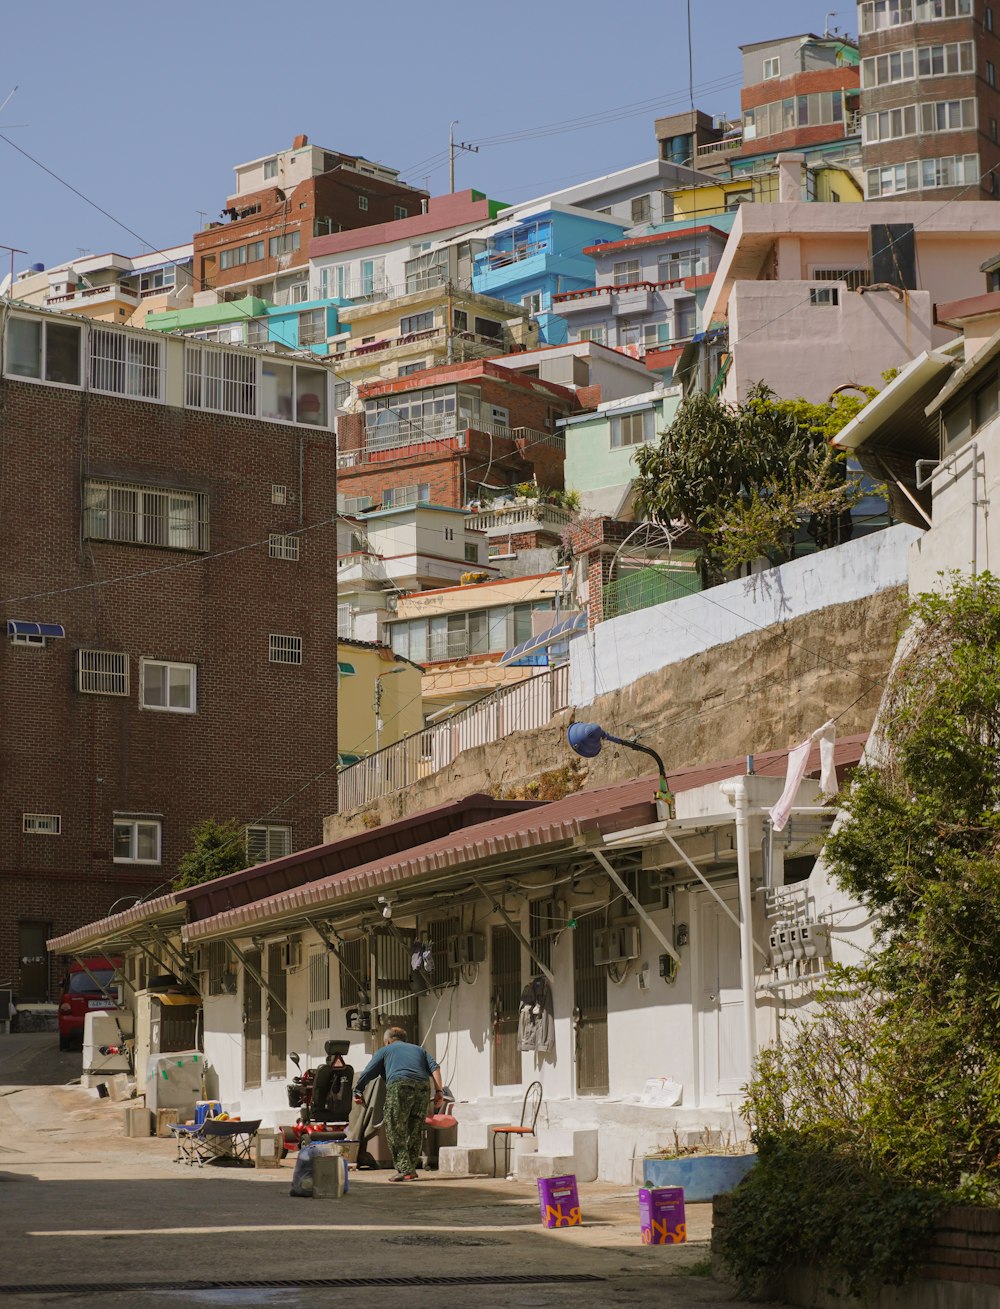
x=590 y=292
x=516 y=517
x=393 y=435
x=494 y=259
x=719 y=147
x=463 y=342
x=113 y=291
x=523 y=706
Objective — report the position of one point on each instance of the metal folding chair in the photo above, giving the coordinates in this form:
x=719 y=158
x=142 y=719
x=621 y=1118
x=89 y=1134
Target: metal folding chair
x=530 y=1106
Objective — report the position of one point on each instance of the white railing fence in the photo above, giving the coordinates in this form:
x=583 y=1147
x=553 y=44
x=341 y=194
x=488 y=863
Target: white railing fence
x=517 y=708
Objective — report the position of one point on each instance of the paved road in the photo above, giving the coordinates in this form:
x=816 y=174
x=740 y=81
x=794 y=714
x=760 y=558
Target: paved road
x=90 y=1217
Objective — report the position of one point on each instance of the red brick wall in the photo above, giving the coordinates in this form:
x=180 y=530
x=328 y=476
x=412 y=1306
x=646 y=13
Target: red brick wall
x=261 y=731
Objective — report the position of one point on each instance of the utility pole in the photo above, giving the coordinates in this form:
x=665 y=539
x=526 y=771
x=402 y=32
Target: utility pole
x=14 y=250
x=454 y=145
x=378 y=705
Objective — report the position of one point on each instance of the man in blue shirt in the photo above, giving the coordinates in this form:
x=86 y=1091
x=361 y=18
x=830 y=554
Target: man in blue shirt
x=406 y=1068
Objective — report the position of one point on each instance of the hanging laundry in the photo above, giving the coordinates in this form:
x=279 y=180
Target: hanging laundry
x=798 y=760
x=536 y=1028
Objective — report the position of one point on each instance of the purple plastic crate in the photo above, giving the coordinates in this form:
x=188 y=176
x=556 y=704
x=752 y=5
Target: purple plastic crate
x=559 y=1201
x=661 y=1215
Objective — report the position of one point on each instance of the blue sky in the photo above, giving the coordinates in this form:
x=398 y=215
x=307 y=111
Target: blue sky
x=146 y=108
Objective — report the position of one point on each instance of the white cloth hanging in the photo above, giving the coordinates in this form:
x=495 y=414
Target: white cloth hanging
x=798 y=760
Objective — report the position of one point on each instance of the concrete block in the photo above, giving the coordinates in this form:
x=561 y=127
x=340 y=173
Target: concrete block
x=118 y=1087
x=464 y=1161
x=136 y=1119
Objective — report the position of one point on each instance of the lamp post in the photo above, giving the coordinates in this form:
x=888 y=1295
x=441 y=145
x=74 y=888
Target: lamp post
x=378 y=705
x=585 y=739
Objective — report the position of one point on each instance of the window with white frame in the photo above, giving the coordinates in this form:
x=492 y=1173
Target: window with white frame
x=145 y=515
x=312 y=327
x=44 y=351
x=160 y=279
x=267 y=841
x=675 y=264
x=877 y=15
x=42 y=824
x=655 y=335
x=319 y=988
x=946 y=60
x=284 y=649
x=399 y=211
x=826 y=296
x=136 y=841
x=123 y=364
x=882 y=70
x=283 y=546
x=362 y=202
x=279 y=494
x=921 y=174
x=167 y=686
x=598 y=335
x=102 y=672
x=293 y=392
x=632 y=429
x=270 y=169
x=772 y=67
x=220 y=379
x=257 y=331
x=685 y=319
x=853 y=277
x=532 y=304
x=625 y=271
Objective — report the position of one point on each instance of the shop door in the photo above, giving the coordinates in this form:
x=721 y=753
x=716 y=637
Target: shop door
x=505 y=996
x=32 y=984
x=590 y=1010
x=721 y=1036
x=252 y=1014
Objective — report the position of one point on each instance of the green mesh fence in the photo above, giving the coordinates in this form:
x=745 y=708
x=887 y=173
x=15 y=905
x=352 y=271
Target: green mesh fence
x=651 y=586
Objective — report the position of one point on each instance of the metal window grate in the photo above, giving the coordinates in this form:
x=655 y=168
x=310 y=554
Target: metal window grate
x=438 y=934
x=121 y=364
x=275 y=1007
x=42 y=824
x=354 y=972
x=220 y=969
x=103 y=672
x=505 y=995
x=220 y=379
x=145 y=515
x=281 y=546
x=268 y=841
x=279 y=494
x=319 y=991
x=284 y=649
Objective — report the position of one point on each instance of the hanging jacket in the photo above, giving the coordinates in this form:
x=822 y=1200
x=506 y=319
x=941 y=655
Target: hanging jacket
x=536 y=1029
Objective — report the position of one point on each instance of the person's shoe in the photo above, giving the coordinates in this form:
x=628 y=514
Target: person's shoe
x=404 y=1177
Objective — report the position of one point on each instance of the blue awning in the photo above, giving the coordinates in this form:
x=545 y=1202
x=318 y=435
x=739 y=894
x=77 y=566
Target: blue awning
x=15 y=627
x=533 y=650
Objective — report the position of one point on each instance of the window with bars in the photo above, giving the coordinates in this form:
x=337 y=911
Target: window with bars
x=102 y=672
x=145 y=515
x=252 y=1019
x=438 y=933
x=279 y=494
x=266 y=841
x=284 y=649
x=319 y=991
x=852 y=277
x=281 y=546
x=543 y=925
x=220 y=379
x=121 y=364
x=42 y=824
x=355 y=982
x=220 y=969
x=275 y=1007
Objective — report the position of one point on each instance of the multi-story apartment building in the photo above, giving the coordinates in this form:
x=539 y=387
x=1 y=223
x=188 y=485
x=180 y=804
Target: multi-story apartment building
x=698 y=140
x=109 y=288
x=464 y=431
x=281 y=202
x=251 y=321
x=649 y=291
x=930 y=103
x=799 y=93
x=167 y=542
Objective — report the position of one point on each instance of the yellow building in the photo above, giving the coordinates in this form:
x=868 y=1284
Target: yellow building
x=827 y=184
x=368 y=674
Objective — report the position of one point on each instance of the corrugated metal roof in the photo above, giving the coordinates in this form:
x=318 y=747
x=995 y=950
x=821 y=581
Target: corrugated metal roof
x=601 y=811
x=104 y=930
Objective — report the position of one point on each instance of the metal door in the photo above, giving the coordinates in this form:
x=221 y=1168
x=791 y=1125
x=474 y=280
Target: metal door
x=32 y=984
x=505 y=996
x=252 y=1015
x=590 y=1010
x=721 y=1036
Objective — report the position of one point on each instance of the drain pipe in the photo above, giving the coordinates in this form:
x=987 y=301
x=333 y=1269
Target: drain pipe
x=737 y=791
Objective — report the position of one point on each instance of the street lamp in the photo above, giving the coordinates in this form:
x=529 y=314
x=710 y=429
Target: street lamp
x=378 y=704
x=585 y=739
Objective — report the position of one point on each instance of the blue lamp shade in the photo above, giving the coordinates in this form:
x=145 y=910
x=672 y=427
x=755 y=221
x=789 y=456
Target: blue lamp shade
x=585 y=738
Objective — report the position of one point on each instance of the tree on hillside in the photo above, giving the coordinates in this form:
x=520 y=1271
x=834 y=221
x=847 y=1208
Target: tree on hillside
x=217 y=849
x=887 y=1103
x=749 y=477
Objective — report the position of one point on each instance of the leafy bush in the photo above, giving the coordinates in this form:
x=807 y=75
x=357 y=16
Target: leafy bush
x=218 y=849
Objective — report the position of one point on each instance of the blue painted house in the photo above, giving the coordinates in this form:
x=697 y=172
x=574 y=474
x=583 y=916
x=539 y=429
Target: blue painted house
x=538 y=254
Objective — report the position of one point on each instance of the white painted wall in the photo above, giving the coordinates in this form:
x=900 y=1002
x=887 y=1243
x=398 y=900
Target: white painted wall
x=621 y=650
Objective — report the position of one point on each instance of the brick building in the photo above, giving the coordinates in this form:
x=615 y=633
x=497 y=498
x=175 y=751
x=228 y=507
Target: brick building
x=169 y=643
x=464 y=431
x=282 y=201
x=799 y=93
x=929 y=98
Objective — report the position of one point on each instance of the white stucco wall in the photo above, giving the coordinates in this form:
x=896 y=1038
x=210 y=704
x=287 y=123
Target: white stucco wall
x=620 y=651
x=961 y=529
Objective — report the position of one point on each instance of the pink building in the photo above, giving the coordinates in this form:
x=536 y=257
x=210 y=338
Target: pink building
x=816 y=296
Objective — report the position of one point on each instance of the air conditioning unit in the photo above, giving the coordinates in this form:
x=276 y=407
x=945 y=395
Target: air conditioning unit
x=199 y=960
x=291 y=954
x=468 y=948
x=616 y=945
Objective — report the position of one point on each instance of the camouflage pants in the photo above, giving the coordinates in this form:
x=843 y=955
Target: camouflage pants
x=406 y=1106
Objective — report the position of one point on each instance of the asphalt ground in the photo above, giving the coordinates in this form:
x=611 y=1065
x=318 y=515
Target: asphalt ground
x=89 y=1216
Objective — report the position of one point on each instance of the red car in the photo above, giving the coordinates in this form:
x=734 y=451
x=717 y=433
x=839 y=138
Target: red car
x=79 y=994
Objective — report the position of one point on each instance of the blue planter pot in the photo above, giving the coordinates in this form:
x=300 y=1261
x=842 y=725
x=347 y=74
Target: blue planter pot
x=701 y=1176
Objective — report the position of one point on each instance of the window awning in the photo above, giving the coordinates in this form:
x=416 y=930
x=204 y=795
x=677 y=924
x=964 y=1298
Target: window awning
x=17 y=627
x=536 y=645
